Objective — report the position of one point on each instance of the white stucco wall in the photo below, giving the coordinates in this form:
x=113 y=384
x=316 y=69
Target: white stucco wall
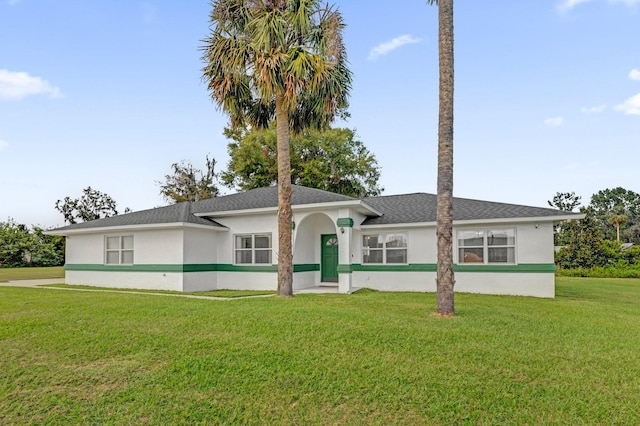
x=535 y=243
x=149 y=247
x=395 y=281
x=515 y=284
x=199 y=281
x=200 y=245
x=305 y=279
x=421 y=242
x=138 y=280
x=85 y=249
x=247 y=280
x=518 y=284
x=157 y=246
x=307 y=237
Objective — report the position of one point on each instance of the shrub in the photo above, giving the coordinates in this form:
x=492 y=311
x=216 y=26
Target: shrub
x=617 y=271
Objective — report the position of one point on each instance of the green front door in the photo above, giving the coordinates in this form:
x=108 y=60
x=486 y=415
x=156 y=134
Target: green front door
x=329 y=262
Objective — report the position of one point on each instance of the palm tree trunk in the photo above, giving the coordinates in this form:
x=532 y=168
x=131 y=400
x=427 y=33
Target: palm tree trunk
x=445 y=278
x=285 y=216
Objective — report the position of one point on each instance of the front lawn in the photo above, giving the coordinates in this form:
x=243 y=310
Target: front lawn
x=228 y=294
x=12 y=274
x=369 y=358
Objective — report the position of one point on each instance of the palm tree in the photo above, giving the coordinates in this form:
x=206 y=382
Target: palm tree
x=617 y=219
x=282 y=60
x=445 y=278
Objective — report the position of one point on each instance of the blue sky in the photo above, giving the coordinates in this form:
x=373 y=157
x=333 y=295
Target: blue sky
x=108 y=94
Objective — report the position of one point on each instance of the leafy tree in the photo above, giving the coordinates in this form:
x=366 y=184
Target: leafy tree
x=332 y=160
x=14 y=242
x=565 y=201
x=632 y=234
x=47 y=250
x=282 y=60
x=568 y=202
x=21 y=246
x=188 y=183
x=584 y=244
x=444 y=219
x=616 y=202
x=91 y=205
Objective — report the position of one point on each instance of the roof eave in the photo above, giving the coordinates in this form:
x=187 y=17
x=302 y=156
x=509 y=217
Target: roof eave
x=358 y=205
x=554 y=219
x=141 y=227
x=525 y=219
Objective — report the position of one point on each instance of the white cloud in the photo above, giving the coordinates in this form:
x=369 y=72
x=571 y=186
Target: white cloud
x=554 y=121
x=634 y=74
x=594 y=109
x=13 y=2
x=17 y=85
x=3 y=144
x=629 y=3
x=386 y=47
x=631 y=106
x=567 y=5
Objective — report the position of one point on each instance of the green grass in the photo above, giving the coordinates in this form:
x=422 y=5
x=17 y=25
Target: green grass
x=212 y=293
x=12 y=274
x=368 y=358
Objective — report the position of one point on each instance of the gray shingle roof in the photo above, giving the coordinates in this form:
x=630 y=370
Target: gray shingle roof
x=395 y=209
x=185 y=212
x=265 y=197
x=421 y=207
x=176 y=213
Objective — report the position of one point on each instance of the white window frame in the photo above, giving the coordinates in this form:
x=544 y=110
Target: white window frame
x=384 y=249
x=486 y=247
x=253 y=249
x=121 y=250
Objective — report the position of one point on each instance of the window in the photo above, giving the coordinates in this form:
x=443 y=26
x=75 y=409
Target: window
x=487 y=246
x=119 y=250
x=384 y=248
x=253 y=249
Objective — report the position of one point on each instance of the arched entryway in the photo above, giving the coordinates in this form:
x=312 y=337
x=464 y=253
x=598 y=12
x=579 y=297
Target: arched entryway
x=316 y=251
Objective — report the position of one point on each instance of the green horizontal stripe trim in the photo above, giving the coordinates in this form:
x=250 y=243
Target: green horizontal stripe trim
x=432 y=267
x=413 y=267
x=173 y=268
x=309 y=267
x=124 y=268
x=221 y=267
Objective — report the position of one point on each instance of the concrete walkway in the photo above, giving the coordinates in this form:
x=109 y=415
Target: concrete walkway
x=31 y=283
x=39 y=283
x=42 y=282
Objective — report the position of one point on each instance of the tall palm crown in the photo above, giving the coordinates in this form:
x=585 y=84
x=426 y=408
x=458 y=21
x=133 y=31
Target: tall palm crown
x=282 y=59
x=258 y=49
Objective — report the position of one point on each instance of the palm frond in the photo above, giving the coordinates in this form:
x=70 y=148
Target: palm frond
x=258 y=49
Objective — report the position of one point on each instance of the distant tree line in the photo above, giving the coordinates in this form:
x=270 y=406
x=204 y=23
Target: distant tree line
x=607 y=241
x=333 y=160
x=28 y=246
